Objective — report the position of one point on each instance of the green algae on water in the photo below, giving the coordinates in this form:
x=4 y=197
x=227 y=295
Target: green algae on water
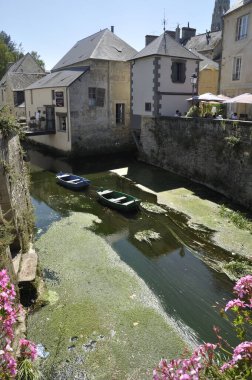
x=152 y=207
x=106 y=320
x=147 y=236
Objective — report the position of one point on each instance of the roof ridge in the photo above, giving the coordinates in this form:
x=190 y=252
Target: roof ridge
x=100 y=41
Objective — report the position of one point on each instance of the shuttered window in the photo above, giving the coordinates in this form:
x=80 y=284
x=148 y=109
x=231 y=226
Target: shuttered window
x=178 y=72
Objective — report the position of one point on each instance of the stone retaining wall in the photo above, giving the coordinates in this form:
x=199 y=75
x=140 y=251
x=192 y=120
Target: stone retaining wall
x=216 y=153
x=15 y=204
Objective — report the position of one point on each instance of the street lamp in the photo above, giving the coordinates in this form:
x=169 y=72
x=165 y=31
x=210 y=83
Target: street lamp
x=193 y=79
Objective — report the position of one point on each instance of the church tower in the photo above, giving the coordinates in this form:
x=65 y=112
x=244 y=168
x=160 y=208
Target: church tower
x=221 y=7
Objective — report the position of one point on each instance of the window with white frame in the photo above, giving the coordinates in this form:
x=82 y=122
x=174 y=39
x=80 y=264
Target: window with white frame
x=242 y=27
x=236 y=68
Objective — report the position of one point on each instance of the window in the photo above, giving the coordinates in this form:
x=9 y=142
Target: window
x=148 y=107
x=53 y=95
x=120 y=113
x=178 y=72
x=18 y=98
x=96 y=97
x=242 y=27
x=61 y=122
x=31 y=93
x=236 y=68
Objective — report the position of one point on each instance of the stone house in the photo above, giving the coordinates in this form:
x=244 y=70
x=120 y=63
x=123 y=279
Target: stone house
x=86 y=98
x=208 y=79
x=19 y=75
x=161 y=79
x=236 y=71
x=208 y=44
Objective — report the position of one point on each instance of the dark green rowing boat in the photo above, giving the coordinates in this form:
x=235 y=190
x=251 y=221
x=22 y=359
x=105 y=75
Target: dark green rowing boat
x=118 y=200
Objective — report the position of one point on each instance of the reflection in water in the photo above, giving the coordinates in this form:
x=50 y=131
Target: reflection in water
x=187 y=288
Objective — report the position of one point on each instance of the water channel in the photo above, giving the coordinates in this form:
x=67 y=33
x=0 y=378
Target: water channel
x=173 y=267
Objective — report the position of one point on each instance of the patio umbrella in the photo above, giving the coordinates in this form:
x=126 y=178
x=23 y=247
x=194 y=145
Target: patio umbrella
x=207 y=97
x=243 y=98
x=223 y=97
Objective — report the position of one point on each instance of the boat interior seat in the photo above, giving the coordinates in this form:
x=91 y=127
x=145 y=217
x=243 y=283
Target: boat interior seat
x=105 y=192
x=74 y=180
x=128 y=203
x=117 y=199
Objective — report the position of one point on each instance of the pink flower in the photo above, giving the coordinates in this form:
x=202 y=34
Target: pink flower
x=243 y=286
x=28 y=349
x=235 y=303
x=242 y=351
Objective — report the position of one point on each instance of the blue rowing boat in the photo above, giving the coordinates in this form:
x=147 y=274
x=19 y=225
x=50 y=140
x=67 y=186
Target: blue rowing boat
x=72 y=181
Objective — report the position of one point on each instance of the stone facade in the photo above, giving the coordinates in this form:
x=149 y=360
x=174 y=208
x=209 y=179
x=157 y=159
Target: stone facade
x=236 y=71
x=216 y=153
x=95 y=129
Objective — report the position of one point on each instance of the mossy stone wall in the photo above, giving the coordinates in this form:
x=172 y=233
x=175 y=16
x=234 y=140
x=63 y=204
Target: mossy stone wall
x=15 y=201
x=216 y=153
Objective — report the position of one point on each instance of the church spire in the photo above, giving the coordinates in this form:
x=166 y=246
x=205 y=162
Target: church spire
x=221 y=7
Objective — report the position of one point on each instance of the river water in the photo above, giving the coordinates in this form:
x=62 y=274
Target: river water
x=189 y=290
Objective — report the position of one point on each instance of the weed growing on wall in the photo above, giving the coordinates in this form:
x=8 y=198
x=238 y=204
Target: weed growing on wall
x=232 y=141
x=8 y=123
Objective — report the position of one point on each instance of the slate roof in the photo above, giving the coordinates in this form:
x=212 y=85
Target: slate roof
x=236 y=5
x=19 y=79
x=103 y=45
x=167 y=46
x=199 y=42
x=205 y=63
x=61 y=78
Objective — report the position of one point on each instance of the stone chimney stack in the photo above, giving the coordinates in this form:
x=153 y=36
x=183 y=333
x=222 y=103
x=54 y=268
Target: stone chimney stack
x=149 y=38
x=188 y=32
x=177 y=34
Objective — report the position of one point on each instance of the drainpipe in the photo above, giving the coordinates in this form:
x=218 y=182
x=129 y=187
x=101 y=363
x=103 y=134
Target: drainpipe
x=68 y=118
x=108 y=97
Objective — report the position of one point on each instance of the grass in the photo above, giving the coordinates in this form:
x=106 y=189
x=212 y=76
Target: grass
x=28 y=371
x=237 y=218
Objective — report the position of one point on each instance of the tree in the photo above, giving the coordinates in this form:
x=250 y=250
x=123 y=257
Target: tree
x=9 y=52
x=38 y=59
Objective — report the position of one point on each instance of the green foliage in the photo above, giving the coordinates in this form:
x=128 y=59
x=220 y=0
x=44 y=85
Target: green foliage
x=6 y=233
x=194 y=111
x=236 y=217
x=27 y=370
x=8 y=123
x=238 y=268
x=9 y=52
x=232 y=141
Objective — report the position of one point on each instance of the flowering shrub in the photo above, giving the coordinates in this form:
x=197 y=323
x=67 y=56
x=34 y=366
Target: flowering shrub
x=8 y=316
x=208 y=363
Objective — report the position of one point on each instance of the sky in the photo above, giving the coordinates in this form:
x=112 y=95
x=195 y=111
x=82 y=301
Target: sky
x=52 y=27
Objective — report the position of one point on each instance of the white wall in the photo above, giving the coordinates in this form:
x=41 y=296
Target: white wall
x=142 y=85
